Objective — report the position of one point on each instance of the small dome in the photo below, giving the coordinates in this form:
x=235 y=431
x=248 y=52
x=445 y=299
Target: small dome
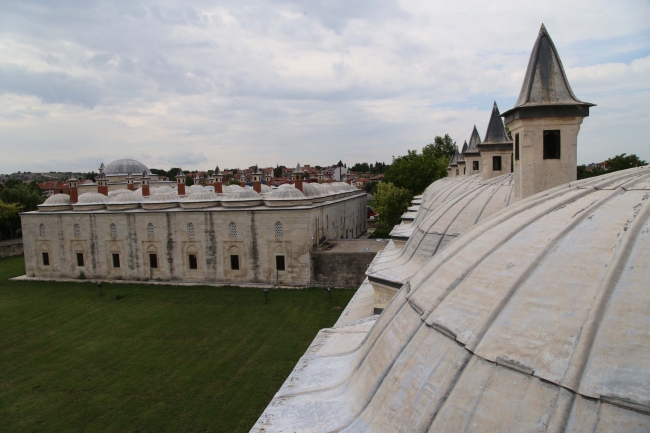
x=56 y=202
x=117 y=192
x=312 y=190
x=202 y=195
x=126 y=196
x=239 y=193
x=123 y=167
x=195 y=187
x=286 y=192
x=164 y=196
x=92 y=198
x=151 y=190
x=266 y=189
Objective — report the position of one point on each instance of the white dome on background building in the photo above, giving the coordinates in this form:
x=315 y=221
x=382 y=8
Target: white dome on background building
x=123 y=167
x=55 y=203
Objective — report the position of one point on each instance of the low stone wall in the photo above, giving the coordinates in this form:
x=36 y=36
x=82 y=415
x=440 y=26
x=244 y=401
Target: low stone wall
x=344 y=269
x=13 y=247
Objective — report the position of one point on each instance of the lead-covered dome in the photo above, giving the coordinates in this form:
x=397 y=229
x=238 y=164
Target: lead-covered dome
x=90 y=201
x=201 y=199
x=56 y=202
x=125 y=200
x=123 y=167
x=534 y=318
x=238 y=196
x=163 y=198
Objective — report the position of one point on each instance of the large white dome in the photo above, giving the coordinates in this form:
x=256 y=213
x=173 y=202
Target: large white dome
x=122 y=167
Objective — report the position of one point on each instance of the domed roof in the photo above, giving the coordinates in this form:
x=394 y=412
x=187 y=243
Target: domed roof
x=122 y=167
x=195 y=187
x=266 y=189
x=286 y=192
x=125 y=196
x=202 y=195
x=440 y=219
x=118 y=191
x=163 y=195
x=313 y=190
x=239 y=193
x=92 y=198
x=535 y=316
x=56 y=202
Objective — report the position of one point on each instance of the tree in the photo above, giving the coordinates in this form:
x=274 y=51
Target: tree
x=624 y=161
x=391 y=202
x=583 y=173
x=415 y=172
x=16 y=194
x=360 y=167
x=189 y=181
x=233 y=182
x=371 y=187
x=441 y=147
x=277 y=171
x=340 y=163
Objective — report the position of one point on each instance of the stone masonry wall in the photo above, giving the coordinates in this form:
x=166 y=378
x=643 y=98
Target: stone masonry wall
x=343 y=269
x=11 y=248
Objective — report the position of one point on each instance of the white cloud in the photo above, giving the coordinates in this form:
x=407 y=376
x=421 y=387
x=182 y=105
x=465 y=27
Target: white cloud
x=250 y=82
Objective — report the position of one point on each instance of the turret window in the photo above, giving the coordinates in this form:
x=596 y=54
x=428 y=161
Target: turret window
x=150 y=230
x=42 y=229
x=279 y=230
x=475 y=165
x=190 y=230
x=113 y=231
x=77 y=231
x=516 y=147
x=496 y=163
x=233 y=230
x=552 y=144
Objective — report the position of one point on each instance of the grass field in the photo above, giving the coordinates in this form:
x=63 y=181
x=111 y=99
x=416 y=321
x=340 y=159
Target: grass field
x=148 y=358
x=381 y=233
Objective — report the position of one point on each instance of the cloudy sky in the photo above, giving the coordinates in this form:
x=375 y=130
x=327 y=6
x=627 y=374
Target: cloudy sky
x=234 y=83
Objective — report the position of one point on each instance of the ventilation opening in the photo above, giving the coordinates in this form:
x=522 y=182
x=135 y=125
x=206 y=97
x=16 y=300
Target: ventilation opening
x=193 y=262
x=46 y=259
x=116 y=260
x=552 y=144
x=496 y=163
x=234 y=262
x=153 y=261
x=279 y=263
x=80 y=259
x=475 y=165
x=517 y=147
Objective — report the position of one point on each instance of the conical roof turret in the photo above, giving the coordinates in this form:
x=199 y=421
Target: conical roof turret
x=474 y=141
x=298 y=168
x=546 y=91
x=454 y=159
x=496 y=131
x=217 y=171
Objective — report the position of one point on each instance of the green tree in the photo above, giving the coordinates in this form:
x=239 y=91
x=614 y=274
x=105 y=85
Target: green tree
x=189 y=181
x=391 y=202
x=340 y=163
x=16 y=194
x=441 y=147
x=624 y=161
x=583 y=173
x=360 y=167
x=277 y=171
x=415 y=171
x=371 y=187
x=233 y=182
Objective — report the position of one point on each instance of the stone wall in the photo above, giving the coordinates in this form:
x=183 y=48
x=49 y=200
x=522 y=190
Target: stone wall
x=11 y=248
x=344 y=269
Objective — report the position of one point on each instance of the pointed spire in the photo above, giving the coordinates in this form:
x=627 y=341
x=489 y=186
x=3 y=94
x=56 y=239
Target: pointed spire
x=464 y=147
x=546 y=84
x=298 y=168
x=496 y=132
x=145 y=175
x=217 y=171
x=129 y=175
x=474 y=141
x=101 y=167
x=72 y=178
x=102 y=176
x=454 y=159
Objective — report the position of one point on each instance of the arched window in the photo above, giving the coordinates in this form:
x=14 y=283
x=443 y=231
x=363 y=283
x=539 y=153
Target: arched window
x=279 y=230
x=150 y=230
x=233 y=230
x=42 y=228
x=190 y=230
x=113 y=231
x=77 y=231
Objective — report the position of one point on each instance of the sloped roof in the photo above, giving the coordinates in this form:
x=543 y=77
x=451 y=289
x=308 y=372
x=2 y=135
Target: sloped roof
x=474 y=141
x=545 y=82
x=496 y=131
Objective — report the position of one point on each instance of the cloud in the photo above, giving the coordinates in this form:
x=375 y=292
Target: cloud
x=250 y=81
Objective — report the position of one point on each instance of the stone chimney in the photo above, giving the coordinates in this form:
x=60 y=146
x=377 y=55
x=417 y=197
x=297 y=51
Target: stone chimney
x=496 y=149
x=74 y=192
x=267 y=177
x=218 y=181
x=102 y=184
x=321 y=176
x=473 y=163
x=129 y=182
x=461 y=161
x=180 y=181
x=297 y=176
x=545 y=123
x=145 y=184
x=257 y=180
x=453 y=164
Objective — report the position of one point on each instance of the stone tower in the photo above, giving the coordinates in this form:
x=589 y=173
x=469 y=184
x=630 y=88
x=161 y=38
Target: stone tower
x=545 y=123
x=473 y=163
x=496 y=149
x=180 y=181
x=218 y=181
x=461 y=161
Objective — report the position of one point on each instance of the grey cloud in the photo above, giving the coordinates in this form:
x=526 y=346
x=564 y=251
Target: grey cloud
x=50 y=87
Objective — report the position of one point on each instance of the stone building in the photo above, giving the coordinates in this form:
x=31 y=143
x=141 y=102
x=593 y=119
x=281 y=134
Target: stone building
x=241 y=234
x=534 y=318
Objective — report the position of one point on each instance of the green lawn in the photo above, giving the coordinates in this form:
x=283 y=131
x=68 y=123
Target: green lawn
x=381 y=233
x=148 y=358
